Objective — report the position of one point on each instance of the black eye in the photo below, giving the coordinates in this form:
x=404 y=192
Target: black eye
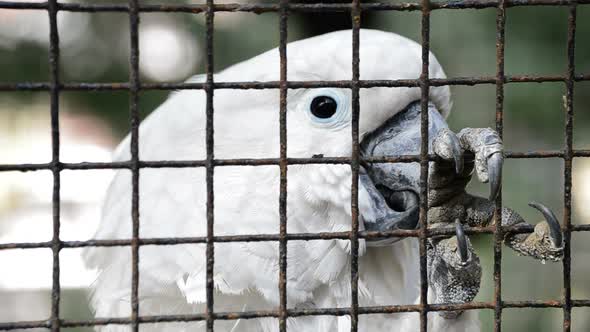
x=323 y=107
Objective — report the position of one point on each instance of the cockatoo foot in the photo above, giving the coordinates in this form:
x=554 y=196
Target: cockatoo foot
x=472 y=147
x=544 y=243
x=479 y=149
x=454 y=271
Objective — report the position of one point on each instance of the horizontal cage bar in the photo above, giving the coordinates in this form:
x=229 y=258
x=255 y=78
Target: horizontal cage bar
x=265 y=161
x=276 y=237
x=266 y=8
x=255 y=85
x=294 y=313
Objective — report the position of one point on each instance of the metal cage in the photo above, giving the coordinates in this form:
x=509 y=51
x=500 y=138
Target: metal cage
x=283 y=8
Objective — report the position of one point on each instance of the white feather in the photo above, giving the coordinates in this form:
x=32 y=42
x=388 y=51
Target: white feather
x=172 y=202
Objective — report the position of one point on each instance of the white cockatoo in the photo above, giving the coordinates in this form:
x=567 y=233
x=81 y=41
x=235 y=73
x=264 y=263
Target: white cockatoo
x=172 y=201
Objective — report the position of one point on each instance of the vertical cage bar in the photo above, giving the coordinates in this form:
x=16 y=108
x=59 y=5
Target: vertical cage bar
x=134 y=86
x=498 y=236
x=55 y=163
x=354 y=164
x=283 y=27
x=423 y=221
x=209 y=146
x=567 y=170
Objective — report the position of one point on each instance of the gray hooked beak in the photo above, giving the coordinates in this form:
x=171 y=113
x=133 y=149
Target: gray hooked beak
x=392 y=188
x=388 y=210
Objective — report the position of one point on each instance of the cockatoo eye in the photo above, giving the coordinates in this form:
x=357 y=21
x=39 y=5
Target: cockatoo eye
x=323 y=107
x=327 y=107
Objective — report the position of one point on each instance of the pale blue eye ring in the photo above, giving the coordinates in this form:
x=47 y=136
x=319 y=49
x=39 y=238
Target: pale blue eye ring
x=327 y=107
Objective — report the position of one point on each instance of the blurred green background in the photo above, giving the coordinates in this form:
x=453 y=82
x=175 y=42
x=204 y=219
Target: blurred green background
x=94 y=48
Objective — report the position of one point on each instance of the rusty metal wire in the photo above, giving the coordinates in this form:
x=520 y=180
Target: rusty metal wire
x=209 y=134
x=134 y=148
x=283 y=27
x=54 y=110
x=498 y=234
x=423 y=221
x=355 y=13
x=265 y=8
x=363 y=84
x=283 y=8
x=567 y=171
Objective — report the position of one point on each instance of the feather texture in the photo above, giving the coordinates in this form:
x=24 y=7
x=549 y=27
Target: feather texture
x=172 y=201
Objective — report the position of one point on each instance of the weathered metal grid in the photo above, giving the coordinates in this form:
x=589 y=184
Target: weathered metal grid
x=55 y=323
x=498 y=234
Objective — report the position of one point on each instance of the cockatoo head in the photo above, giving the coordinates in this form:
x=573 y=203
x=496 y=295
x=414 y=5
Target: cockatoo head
x=389 y=124
x=319 y=119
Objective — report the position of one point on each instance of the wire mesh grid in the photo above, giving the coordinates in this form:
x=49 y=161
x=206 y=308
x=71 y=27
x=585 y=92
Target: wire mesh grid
x=283 y=7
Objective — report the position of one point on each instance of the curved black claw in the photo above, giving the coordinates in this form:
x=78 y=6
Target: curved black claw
x=495 y=163
x=454 y=270
x=554 y=226
x=448 y=146
x=457 y=153
x=461 y=242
